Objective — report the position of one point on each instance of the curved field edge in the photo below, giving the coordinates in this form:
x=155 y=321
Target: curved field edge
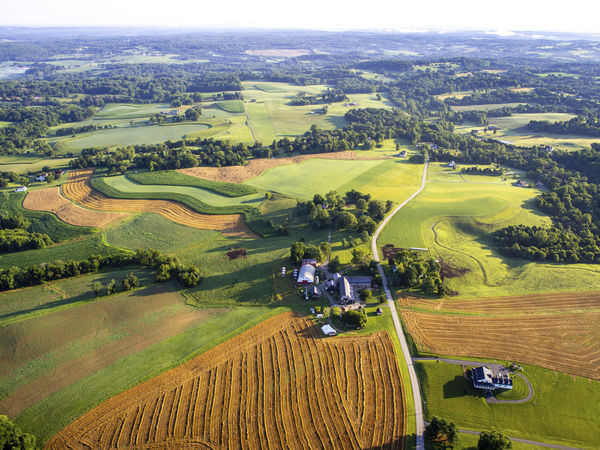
x=47 y=417
x=302 y=387
x=99 y=184
x=556 y=396
x=174 y=178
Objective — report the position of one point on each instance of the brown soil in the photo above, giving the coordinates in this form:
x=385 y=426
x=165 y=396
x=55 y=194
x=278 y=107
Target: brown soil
x=278 y=385
x=447 y=271
x=79 y=190
x=235 y=253
x=50 y=200
x=239 y=174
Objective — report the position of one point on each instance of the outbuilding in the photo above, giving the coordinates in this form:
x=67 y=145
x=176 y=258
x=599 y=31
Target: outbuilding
x=345 y=291
x=328 y=330
x=21 y=189
x=306 y=275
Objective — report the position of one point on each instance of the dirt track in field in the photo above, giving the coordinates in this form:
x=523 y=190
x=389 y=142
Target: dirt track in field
x=239 y=174
x=557 y=331
x=278 y=385
x=50 y=200
x=79 y=190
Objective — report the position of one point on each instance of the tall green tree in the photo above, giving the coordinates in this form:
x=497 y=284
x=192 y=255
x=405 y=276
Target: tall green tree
x=441 y=434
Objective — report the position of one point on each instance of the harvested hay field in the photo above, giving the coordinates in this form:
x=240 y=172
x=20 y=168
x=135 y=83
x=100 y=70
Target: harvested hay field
x=278 y=385
x=50 y=200
x=78 y=190
x=568 y=342
x=239 y=174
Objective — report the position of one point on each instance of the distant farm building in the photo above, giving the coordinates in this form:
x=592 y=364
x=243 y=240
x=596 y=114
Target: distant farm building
x=306 y=275
x=522 y=183
x=452 y=164
x=379 y=312
x=430 y=145
x=548 y=149
x=493 y=128
x=360 y=282
x=345 y=291
x=483 y=378
x=315 y=292
x=21 y=189
x=328 y=330
x=41 y=177
x=312 y=262
x=402 y=154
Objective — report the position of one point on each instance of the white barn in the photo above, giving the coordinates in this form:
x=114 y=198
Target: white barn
x=328 y=330
x=306 y=274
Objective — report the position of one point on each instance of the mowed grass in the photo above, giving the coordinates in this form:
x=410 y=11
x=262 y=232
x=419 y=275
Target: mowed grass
x=464 y=213
x=77 y=250
x=200 y=199
x=514 y=130
x=173 y=178
x=562 y=411
x=154 y=231
x=22 y=164
x=231 y=106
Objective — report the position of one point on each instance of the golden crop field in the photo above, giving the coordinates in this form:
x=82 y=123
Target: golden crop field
x=555 y=331
x=78 y=190
x=280 y=384
x=50 y=200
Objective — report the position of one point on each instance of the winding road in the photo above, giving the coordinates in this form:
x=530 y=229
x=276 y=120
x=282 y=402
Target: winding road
x=418 y=402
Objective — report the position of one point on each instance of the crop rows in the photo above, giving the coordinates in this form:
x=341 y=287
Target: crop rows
x=567 y=342
x=78 y=190
x=278 y=385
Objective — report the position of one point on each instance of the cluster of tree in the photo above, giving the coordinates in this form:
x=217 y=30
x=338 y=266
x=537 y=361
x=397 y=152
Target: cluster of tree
x=355 y=317
x=491 y=171
x=441 y=434
x=411 y=271
x=13 y=438
x=585 y=126
x=167 y=267
x=131 y=282
x=50 y=114
x=12 y=177
x=301 y=250
x=332 y=209
x=329 y=96
x=14 y=235
x=66 y=131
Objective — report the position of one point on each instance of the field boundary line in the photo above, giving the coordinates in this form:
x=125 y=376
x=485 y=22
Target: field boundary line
x=418 y=401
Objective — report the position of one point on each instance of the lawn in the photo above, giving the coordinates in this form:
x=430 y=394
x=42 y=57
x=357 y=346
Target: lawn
x=200 y=199
x=173 y=178
x=231 y=106
x=562 y=411
x=22 y=164
x=462 y=214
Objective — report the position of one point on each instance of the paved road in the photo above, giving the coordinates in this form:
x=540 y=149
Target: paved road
x=498 y=367
x=405 y=351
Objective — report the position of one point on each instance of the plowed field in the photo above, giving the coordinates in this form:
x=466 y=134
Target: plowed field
x=50 y=200
x=79 y=190
x=555 y=331
x=239 y=174
x=278 y=385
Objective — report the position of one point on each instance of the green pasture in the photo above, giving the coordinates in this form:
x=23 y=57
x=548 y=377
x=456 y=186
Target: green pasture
x=173 y=178
x=513 y=130
x=462 y=215
x=484 y=107
x=4 y=124
x=127 y=111
x=231 y=106
x=154 y=231
x=458 y=95
x=384 y=179
x=76 y=250
x=200 y=199
x=562 y=411
x=22 y=164
x=42 y=222
x=123 y=136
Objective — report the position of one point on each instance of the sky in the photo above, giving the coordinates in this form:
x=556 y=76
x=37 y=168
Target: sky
x=579 y=16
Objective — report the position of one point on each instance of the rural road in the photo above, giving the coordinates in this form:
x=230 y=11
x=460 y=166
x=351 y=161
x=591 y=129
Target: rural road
x=405 y=351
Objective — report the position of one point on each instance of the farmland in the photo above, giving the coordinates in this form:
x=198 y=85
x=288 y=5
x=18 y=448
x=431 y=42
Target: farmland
x=453 y=216
x=556 y=397
x=284 y=398
x=79 y=190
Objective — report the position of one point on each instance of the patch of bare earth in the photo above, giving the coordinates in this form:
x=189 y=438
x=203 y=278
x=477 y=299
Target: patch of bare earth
x=239 y=174
x=50 y=200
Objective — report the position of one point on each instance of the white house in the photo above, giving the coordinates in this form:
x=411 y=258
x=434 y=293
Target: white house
x=21 y=189
x=328 y=330
x=484 y=379
x=41 y=177
x=306 y=274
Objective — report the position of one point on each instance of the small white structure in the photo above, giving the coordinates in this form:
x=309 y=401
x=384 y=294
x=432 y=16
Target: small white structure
x=41 y=177
x=319 y=316
x=21 y=189
x=328 y=330
x=306 y=274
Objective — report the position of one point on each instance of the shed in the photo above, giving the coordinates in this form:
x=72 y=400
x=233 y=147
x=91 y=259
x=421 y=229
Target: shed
x=21 y=189
x=379 y=312
x=306 y=274
x=328 y=330
x=315 y=292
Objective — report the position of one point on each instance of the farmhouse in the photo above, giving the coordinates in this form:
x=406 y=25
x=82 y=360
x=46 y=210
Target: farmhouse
x=21 y=189
x=402 y=154
x=452 y=164
x=483 y=378
x=548 y=149
x=41 y=177
x=328 y=330
x=306 y=275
